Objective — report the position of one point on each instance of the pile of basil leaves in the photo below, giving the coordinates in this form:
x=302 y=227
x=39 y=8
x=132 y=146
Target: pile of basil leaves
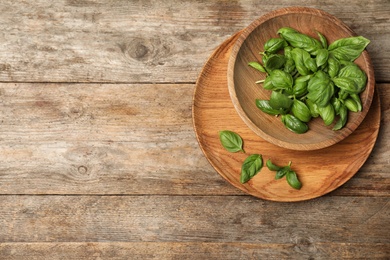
x=309 y=78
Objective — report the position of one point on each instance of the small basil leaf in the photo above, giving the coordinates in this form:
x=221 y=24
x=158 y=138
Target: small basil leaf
x=299 y=56
x=273 y=45
x=343 y=112
x=281 y=79
x=294 y=124
x=348 y=48
x=354 y=73
x=322 y=57
x=264 y=106
x=351 y=105
x=313 y=108
x=271 y=166
x=251 y=166
x=320 y=88
x=280 y=101
x=275 y=61
x=356 y=97
x=292 y=180
x=300 y=111
x=300 y=85
x=282 y=172
x=256 y=65
x=299 y=40
x=333 y=67
x=327 y=113
x=231 y=141
x=323 y=40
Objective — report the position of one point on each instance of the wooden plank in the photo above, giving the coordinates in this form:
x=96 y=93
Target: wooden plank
x=153 y=41
x=190 y=250
x=305 y=227
x=125 y=139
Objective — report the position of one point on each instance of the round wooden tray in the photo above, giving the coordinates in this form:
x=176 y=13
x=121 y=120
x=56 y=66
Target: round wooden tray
x=320 y=171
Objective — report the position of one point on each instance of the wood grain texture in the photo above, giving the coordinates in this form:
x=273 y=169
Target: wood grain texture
x=55 y=138
x=242 y=219
x=192 y=250
x=148 y=41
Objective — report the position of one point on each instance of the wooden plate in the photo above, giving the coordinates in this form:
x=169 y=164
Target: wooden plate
x=320 y=171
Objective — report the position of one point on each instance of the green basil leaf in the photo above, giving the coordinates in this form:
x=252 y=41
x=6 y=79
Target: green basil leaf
x=294 y=124
x=299 y=57
x=300 y=111
x=300 y=85
x=273 y=45
x=354 y=73
x=313 y=108
x=299 y=40
x=323 y=40
x=347 y=84
x=322 y=57
x=231 y=141
x=264 y=106
x=256 y=65
x=320 y=88
x=271 y=166
x=280 y=101
x=336 y=103
x=251 y=166
x=358 y=101
x=351 y=105
x=348 y=48
x=333 y=67
x=281 y=79
x=268 y=83
x=282 y=172
x=343 y=112
x=327 y=113
x=275 y=61
x=292 y=180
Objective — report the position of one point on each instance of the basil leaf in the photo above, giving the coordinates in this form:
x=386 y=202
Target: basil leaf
x=343 y=112
x=323 y=40
x=349 y=48
x=231 y=141
x=351 y=105
x=299 y=57
x=313 y=108
x=280 y=101
x=354 y=73
x=257 y=66
x=327 y=113
x=282 y=80
x=333 y=67
x=322 y=57
x=356 y=97
x=264 y=106
x=299 y=40
x=320 y=88
x=275 y=61
x=271 y=166
x=282 y=172
x=251 y=166
x=300 y=111
x=292 y=180
x=273 y=45
x=294 y=124
x=300 y=85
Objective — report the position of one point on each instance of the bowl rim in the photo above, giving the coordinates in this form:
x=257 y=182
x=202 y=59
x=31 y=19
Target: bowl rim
x=346 y=131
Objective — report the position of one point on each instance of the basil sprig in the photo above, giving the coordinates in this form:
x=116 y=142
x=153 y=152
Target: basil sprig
x=253 y=164
x=310 y=78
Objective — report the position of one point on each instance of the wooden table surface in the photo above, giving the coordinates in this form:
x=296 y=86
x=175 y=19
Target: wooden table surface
x=98 y=155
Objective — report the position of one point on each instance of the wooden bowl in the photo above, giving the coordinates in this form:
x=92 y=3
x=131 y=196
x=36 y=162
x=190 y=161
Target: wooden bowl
x=243 y=89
